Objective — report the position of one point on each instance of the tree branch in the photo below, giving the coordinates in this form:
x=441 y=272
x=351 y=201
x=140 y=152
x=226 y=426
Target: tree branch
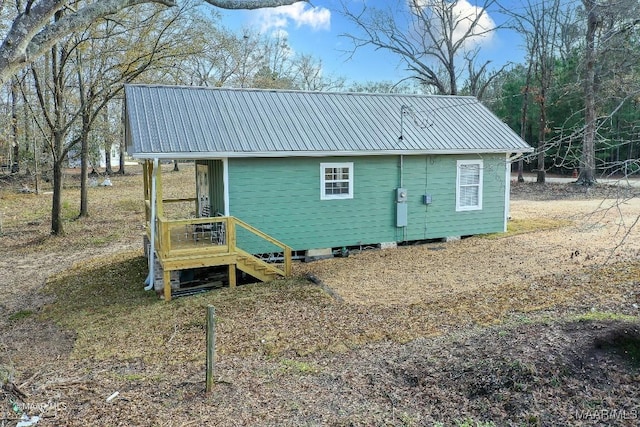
x=32 y=32
x=250 y=4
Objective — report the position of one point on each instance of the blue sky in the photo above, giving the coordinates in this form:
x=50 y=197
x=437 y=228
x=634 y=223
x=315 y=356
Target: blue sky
x=317 y=28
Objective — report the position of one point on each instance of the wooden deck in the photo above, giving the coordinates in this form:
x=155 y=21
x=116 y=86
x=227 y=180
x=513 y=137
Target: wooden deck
x=181 y=244
x=208 y=242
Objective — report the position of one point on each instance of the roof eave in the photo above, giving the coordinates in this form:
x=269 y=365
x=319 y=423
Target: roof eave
x=274 y=154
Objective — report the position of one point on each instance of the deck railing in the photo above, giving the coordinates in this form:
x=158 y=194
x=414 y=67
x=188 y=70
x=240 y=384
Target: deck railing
x=282 y=249
x=215 y=236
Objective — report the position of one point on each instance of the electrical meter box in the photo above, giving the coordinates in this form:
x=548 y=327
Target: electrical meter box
x=401 y=195
x=401 y=207
x=426 y=199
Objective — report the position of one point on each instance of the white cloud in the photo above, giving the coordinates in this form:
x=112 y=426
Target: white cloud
x=299 y=14
x=464 y=14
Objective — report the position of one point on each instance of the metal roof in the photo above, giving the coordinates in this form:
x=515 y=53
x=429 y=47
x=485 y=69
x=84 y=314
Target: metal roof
x=196 y=122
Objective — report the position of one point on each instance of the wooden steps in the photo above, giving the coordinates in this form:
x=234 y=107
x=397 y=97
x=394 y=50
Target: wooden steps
x=176 y=252
x=256 y=267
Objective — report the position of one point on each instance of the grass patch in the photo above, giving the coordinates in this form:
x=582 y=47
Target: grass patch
x=530 y=225
x=105 y=240
x=130 y=205
x=297 y=367
x=20 y=315
x=598 y=316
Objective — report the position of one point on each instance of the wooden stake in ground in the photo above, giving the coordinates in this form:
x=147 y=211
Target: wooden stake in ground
x=211 y=346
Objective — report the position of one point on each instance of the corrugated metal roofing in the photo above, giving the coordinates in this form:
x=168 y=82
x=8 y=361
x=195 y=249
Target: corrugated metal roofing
x=196 y=122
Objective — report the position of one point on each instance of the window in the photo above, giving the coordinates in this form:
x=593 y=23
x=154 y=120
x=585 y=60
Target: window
x=469 y=185
x=336 y=181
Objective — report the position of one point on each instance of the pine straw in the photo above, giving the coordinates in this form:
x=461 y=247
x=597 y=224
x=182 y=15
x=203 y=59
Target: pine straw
x=398 y=295
x=106 y=307
x=523 y=272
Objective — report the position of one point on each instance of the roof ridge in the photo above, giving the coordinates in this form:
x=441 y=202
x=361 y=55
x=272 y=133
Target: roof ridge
x=297 y=91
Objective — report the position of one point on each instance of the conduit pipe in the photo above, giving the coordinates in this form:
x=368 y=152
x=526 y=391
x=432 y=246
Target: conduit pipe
x=152 y=224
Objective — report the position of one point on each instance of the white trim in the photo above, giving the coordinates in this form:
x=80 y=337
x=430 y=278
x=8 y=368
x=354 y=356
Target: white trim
x=209 y=155
x=152 y=224
x=225 y=180
x=507 y=192
x=341 y=165
x=460 y=163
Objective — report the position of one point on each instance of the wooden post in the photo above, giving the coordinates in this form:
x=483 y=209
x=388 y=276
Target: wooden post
x=232 y=276
x=211 y=346
x=287 y=261
x=159 y=196
x=147 y=191
x=166 y=277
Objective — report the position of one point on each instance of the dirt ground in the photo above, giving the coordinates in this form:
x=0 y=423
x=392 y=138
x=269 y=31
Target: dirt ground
x=527 y=369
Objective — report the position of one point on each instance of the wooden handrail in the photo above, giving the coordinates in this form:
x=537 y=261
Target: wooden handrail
x=179 y=200
x=165 y=249
x=259 y=233
x=286 y=249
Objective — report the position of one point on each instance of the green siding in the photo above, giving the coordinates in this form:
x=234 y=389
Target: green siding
x=216 y=184
x=436 y=175
x=282 y=198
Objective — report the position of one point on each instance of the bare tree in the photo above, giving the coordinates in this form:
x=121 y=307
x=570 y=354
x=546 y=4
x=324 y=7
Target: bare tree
x=34 y=31
x=15 y=129
x=87 y=71
x=218 y=61
x=607 y=29
x=587 y=161
x=540 y=24
x=309 y=75
x=252 y=59
x=438 y=43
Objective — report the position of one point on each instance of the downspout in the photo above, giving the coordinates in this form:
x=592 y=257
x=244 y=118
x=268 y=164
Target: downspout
x=152 y=224
x=403 y=110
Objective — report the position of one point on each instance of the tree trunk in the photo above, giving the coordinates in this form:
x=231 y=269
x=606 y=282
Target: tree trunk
x=523 y=117
x=15 y=165
x=542 y=136
x=84 y=171
x=107 y=161
x=587 y=160
x=58 y=136
x=57 y=227
x=520 y=170
x=85 y=109
x=121 y=165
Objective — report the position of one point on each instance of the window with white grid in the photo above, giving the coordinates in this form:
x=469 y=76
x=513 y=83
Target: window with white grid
x=469 y=185
x=336 y=181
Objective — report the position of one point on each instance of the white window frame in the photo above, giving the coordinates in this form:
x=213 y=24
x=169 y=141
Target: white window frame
x=460 y=185
x=323 y=181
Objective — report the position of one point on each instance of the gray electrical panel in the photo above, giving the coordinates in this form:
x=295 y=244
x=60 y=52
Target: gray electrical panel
x=426 y=199
x=401 y=207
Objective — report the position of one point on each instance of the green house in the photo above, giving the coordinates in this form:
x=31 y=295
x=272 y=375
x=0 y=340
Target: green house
x=321 y=171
